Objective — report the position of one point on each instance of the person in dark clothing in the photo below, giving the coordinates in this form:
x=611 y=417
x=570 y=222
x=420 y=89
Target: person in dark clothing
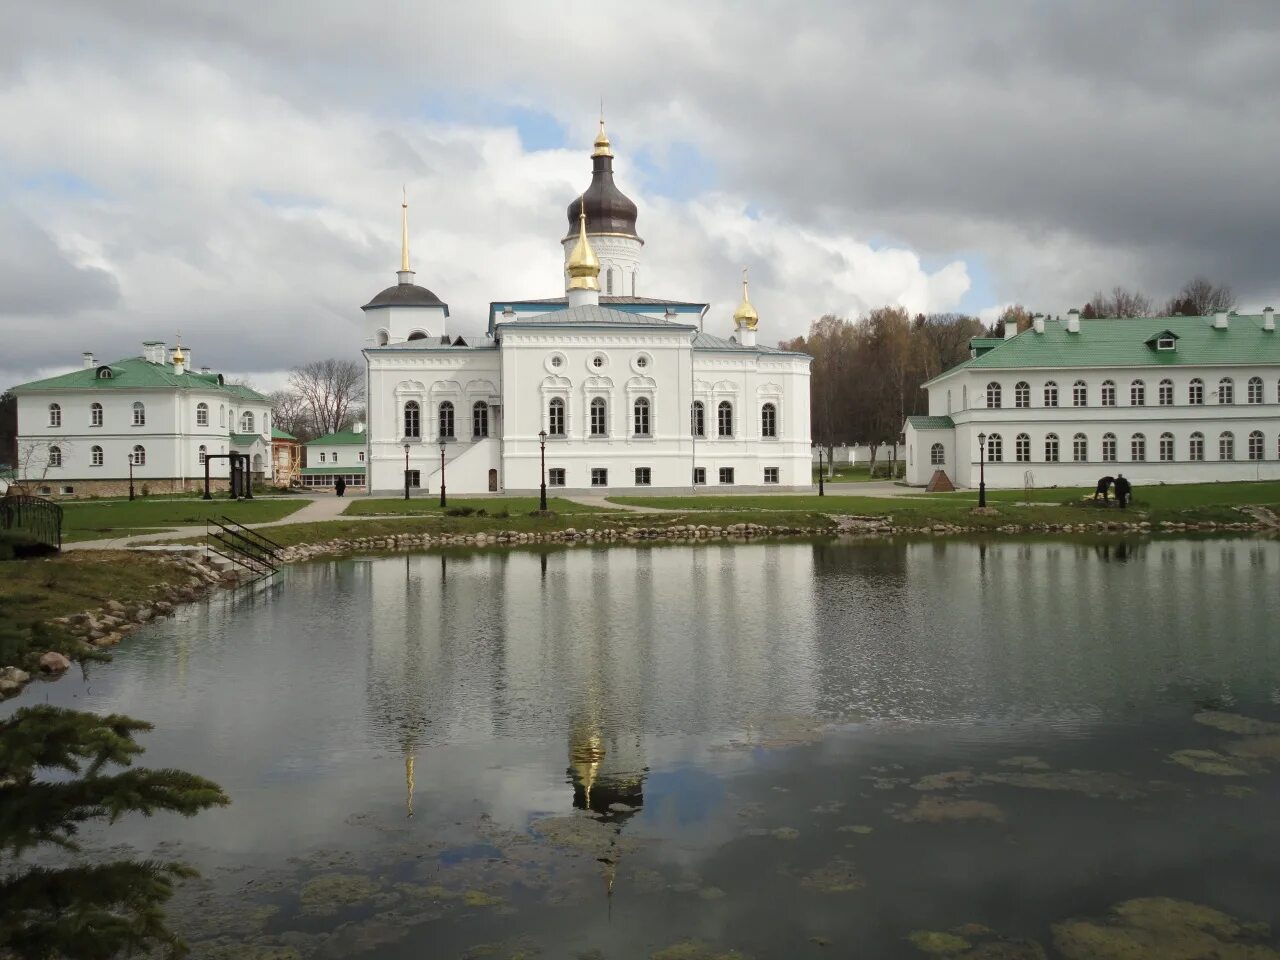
x=340 y=486
x=1104 y=486
x=1123 y=490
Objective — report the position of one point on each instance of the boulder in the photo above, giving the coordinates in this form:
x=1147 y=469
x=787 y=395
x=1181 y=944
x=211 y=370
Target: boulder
x=54 y=662
x=15 y=674
x=114 y=607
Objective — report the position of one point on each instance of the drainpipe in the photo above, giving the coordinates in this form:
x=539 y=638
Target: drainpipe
x=368 y=430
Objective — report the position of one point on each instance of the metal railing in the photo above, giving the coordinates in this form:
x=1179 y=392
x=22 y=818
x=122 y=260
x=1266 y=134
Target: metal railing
x=237 y=544
x=39 y=518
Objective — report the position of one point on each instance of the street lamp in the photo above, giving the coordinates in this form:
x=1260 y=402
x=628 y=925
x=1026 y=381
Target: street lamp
x=542 y=444
x=982 y=470
x=131 y=455
x=821 y=490
x=406 y=471
x=443 y=501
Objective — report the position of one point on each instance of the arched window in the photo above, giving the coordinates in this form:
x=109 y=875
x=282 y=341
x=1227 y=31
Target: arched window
x=1195 y=392
x=1080 y=448
x=640 y=417
x=417 y=335
x=479 y=419
x=383 y=338
x=555 y=417
x=1255 y=390
x=55 y=415
x=95 y=456
x=95 y=414
x=1079 y=394
x=599 y=418
x=993 y=394
x=139 y=455
x=246 y=422
x=768 y=420
x=995 y=448
x=1166 y=393
x=1022 y=448
x=202 y=454
x=608 y=282
x=1226 y=390
x=1138 y=447
x=1022 y=394
x=1255 y=445
x=202 y=414
x=446 y=419
x=412 y=419
x=55 y=456
x=222 y=415
x=1195 y=450
x=937 y=455
x=1166 y=447
x=1226 y=445
x=1051 y=448
x=1108 y=393
x=1050 y=394
x=1137 y=394
x=724 y=419
x=1108 y=448
x=698 y=416
x=139 y=414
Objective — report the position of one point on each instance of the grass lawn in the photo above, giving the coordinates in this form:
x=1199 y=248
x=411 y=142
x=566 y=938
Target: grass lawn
x=1173 y=496
x=857 y=473
x=427 y=506
x=93 y=520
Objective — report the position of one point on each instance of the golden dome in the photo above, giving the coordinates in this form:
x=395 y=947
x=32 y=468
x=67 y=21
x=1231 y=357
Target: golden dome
x=602 y=145
x=745 y=315
x=178 y=355
x=583 y=266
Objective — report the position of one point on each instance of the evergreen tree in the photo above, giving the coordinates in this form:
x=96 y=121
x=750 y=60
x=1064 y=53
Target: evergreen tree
x=94 y=911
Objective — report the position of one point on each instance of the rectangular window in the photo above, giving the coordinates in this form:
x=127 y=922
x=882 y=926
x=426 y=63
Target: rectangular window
x=415 y=478
x=699 y=476
x=726 y=475
x=1166 y=447
x=555 y=477
x=599 y=477
x=642 y=476
x=322 y=458
x=770 y=474
x=361 y=456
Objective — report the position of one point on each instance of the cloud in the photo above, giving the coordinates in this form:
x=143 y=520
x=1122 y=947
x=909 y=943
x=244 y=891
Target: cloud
x=244 y=163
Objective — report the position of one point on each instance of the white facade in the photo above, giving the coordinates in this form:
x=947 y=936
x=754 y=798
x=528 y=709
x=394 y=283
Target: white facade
x=78 y=432
x=614 y=381
x=1060 y=410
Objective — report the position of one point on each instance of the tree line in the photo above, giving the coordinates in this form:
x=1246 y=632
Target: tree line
x=867 y=374
x=322 y=397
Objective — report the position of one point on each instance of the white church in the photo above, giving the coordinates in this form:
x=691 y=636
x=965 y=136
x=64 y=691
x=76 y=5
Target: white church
x=627 y=392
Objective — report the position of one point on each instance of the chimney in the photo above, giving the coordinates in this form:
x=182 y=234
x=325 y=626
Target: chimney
x=153 y=351
x=1220 y=320
x=1010 y=329
x=204 y=369
x=88 y=357
x=1269 y=320
x=1073 y=321
x=357 y=427
x=1037 y=323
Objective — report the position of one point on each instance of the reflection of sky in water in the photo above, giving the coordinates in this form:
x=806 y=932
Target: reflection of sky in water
x=522 y=684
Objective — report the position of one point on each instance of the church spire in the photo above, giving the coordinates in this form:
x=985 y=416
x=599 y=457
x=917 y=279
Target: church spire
x=602 y=147
x=745 y=318
x=583 y=266
x=405 y=273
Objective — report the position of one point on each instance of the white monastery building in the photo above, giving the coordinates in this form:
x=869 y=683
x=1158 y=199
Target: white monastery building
x=79 y=433
x=1158 y=399
x=629 y=391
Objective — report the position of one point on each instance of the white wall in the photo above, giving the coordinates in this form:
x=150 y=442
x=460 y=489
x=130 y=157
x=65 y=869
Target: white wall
x=918 y=454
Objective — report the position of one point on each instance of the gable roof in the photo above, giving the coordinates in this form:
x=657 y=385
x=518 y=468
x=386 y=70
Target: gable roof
x=135 y=373
x=709 y=342
x=349 y=437
x=594 y=315
x=931 y=423
x=1127 y=343
x=278 y=434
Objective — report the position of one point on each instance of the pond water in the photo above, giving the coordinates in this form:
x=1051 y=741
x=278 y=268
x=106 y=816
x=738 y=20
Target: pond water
x=786 y=750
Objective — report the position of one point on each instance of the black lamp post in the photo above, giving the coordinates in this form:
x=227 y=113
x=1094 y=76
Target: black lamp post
x=406 y=471
x=821 y=490
x=443 y=502
x=131 y=456
x=982 y=470
x=542 y=444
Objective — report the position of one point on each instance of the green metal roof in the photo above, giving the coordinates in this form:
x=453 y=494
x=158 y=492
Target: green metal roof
x=931 y=423
x=133 y=373
x=1126 y=343
x=278 y=434
x=341 y=437
x=245 y=439
x=334 y=469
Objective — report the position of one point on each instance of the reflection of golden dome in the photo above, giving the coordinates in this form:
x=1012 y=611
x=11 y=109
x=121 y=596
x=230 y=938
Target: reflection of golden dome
x=584 y=266
x=585 y=756
x=408 y=783
x=602 y=145
x=746 y=314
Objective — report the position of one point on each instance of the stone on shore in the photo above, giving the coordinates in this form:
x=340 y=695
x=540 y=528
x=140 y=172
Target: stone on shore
x=54 y=662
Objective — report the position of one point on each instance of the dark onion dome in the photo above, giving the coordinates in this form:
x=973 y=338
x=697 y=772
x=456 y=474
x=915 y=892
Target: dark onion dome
x=608 y=209
x=405 y=295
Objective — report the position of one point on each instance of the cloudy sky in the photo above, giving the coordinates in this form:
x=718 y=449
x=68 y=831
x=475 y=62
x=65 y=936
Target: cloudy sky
x=233 y=170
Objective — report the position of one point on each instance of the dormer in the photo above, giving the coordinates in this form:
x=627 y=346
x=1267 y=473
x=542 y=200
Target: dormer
x=103 y=373
x=1164 y=341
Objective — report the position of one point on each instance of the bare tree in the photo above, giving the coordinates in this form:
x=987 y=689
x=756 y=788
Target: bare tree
x=290 y=413
x=330 y=390
x=1121 y=302
x=1201 y=297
